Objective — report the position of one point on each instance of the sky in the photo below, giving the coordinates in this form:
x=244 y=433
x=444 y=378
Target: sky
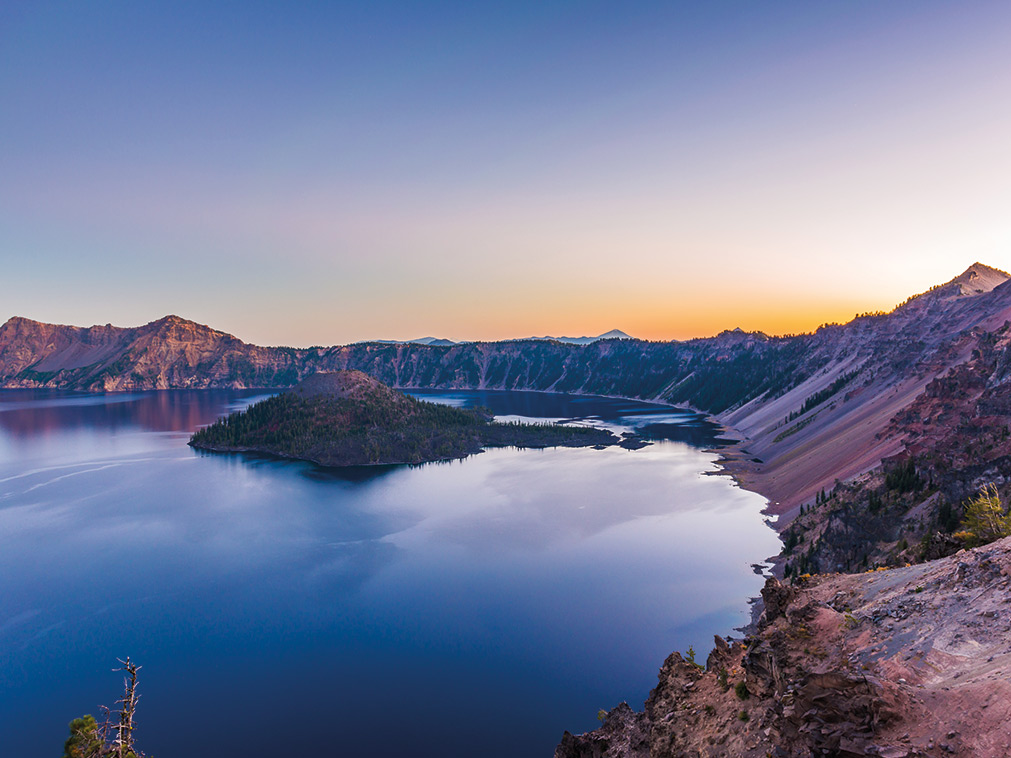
x=321 y=173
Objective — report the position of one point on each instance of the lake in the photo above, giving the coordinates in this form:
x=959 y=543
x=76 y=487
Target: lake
x=472 y=608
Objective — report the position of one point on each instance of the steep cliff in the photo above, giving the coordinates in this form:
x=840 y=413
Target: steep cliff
x=168 y=353
x=913 y=661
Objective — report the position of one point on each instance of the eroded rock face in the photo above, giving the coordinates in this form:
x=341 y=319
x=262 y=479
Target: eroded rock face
x=776 y=596
x=913 y=661
x=624 y=734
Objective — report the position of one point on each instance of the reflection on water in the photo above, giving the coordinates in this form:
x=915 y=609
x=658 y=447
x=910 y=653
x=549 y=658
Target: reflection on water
x=650 y=420
x=27 y=413
x=476 y=607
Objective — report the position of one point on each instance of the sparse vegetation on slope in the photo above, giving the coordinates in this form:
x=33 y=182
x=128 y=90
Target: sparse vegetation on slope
x=916 y=505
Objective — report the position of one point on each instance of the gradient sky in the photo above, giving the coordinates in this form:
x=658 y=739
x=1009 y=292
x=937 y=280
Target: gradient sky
x=321 y=173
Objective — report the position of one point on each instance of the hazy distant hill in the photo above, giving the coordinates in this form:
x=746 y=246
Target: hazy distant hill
x=437 y=341
x=614 y=334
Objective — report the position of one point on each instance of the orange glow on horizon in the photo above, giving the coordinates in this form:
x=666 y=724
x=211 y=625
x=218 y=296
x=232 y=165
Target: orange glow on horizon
x=572 y=316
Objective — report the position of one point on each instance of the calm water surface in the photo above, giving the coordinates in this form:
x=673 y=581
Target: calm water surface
x=473 y=608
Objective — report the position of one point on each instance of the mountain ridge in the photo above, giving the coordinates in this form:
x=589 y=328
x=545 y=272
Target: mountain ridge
x=808 y=408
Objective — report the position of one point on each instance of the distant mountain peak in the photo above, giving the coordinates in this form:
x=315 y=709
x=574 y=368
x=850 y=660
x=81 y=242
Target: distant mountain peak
x=979 y=278
x=173 y=324
x=22 y=321
x=614 y=334
x=173 y=320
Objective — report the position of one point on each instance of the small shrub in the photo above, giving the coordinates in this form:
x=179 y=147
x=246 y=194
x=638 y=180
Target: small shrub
x=743 y=716
x=721 y=678
x=601 y=714
x=690 y=657
x=85 y=738
x=741 y=690
x=985 y=519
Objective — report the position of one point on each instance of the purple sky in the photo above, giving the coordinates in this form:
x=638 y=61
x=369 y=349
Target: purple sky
x=323 y=174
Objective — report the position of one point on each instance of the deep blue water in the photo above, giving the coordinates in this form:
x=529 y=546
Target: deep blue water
x=473 y=608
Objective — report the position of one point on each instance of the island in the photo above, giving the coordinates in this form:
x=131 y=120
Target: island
x=348 y=418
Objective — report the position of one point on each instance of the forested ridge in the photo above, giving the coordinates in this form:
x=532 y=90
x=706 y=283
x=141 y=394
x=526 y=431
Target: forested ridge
x=709 y=374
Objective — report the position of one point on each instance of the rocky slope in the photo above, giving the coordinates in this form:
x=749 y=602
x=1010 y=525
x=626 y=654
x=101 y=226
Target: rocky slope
x=168 y=353
x=877 y=365
x=911 y=661
x=955 y=438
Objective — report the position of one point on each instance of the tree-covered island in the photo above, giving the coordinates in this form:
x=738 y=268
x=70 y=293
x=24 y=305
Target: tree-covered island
x=347 y=418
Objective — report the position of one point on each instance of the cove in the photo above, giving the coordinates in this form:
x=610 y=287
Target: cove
x=478 y=607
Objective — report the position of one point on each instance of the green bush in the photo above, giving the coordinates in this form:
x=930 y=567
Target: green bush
x=985 y=519
x=84 y=740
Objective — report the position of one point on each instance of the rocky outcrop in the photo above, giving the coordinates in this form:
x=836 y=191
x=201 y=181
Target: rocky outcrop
x=624 y=732
x=912 y=661
x=168 y=353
